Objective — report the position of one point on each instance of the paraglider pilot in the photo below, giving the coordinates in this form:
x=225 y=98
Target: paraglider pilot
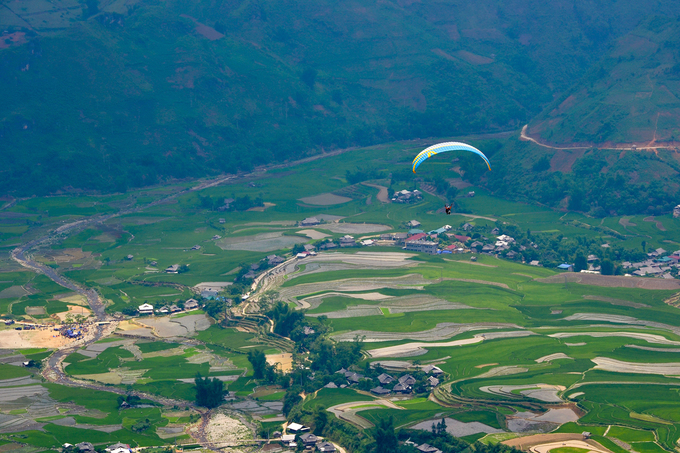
x=448 y=209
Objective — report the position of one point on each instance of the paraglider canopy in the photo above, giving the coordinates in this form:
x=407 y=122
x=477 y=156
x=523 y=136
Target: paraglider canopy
x=445 y=147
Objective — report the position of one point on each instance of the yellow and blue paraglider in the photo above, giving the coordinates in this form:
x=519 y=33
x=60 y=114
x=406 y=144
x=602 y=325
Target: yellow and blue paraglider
x=444 y=147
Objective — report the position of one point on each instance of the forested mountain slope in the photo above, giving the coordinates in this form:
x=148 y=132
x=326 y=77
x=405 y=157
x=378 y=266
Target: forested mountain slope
x=112 y=94
x=632 y=95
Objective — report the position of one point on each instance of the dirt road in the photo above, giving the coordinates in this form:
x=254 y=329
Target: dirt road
x=621 y=146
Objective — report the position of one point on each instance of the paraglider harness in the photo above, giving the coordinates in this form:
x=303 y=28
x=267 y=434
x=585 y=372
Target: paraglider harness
x=447 y=209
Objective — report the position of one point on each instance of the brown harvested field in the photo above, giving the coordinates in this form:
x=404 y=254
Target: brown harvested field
x=486 y=365
x=284 y=362
x=523 y=443
x=325 y=199
x=613 y=301
x=128 y=325
x=659 y=225
x=73 y=299
x=73 y=311
x=472 y=58
x=612 y=281
x=264 y=242
x=441 y=332
x=648 y=337
x=355 y=228
x=618 y=366
x=382 y=192
x=204 y=30
x=67 y=255
x=313 y=234
x=410 y=281
x=443 y=54
x=262 y=208
x=625 y=222
x=475 y=263
x=105 y=237
x=563 y=159
x=481 y=282
x=551 y=357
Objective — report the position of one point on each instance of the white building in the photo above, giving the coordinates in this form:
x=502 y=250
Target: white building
x=145 y=309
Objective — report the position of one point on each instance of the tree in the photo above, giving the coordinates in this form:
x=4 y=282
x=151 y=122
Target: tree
x=298 y=248
x=385 y=437
x=268 y=297
x=451 y=193
x=129 y=311
x=214 y=307
x=92 y=8
x=320 y=419
x=291 y=398
x=308 y=77
x=209 y=392
x=34 y=364
x=141 y=426
x=580 y=263
x=259 y=362
x=285 y=319
x=606 y=267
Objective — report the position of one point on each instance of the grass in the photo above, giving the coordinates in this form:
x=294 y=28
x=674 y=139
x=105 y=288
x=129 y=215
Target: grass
x=630 y=435
x=110 y=358
x=487 y=417
x=189 y=313
x=496 y=438
x=11 y=371
x=272 y=396
x=569 y=450
x=227 y=338
x=156 y=346
x=416 y=411
x=332 y=397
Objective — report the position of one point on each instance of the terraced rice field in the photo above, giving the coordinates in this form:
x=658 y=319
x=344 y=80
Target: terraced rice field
x=507 y=336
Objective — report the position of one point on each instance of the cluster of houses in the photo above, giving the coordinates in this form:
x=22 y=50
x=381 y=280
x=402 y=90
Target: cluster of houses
x=500 y=245
x=407 y=196
x=300 y=435
x=659 y=264
x=344 y=241
x=387 y=384
x=310 y=221
x=148 y=309
x=87 y=447
x=404 y=384
x=423 y=448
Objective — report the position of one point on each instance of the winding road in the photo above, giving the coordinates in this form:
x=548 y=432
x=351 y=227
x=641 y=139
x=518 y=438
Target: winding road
x=621 y=147
x=53 y=368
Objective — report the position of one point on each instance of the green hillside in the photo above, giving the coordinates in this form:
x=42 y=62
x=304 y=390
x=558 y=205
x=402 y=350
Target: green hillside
x=631 y=96
x=113 y=94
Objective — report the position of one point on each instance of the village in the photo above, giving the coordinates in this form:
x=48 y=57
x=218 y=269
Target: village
x=421 y=381
x=466 y=240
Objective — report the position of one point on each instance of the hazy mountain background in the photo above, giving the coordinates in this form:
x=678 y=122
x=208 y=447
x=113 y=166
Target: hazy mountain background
x=111 y=94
